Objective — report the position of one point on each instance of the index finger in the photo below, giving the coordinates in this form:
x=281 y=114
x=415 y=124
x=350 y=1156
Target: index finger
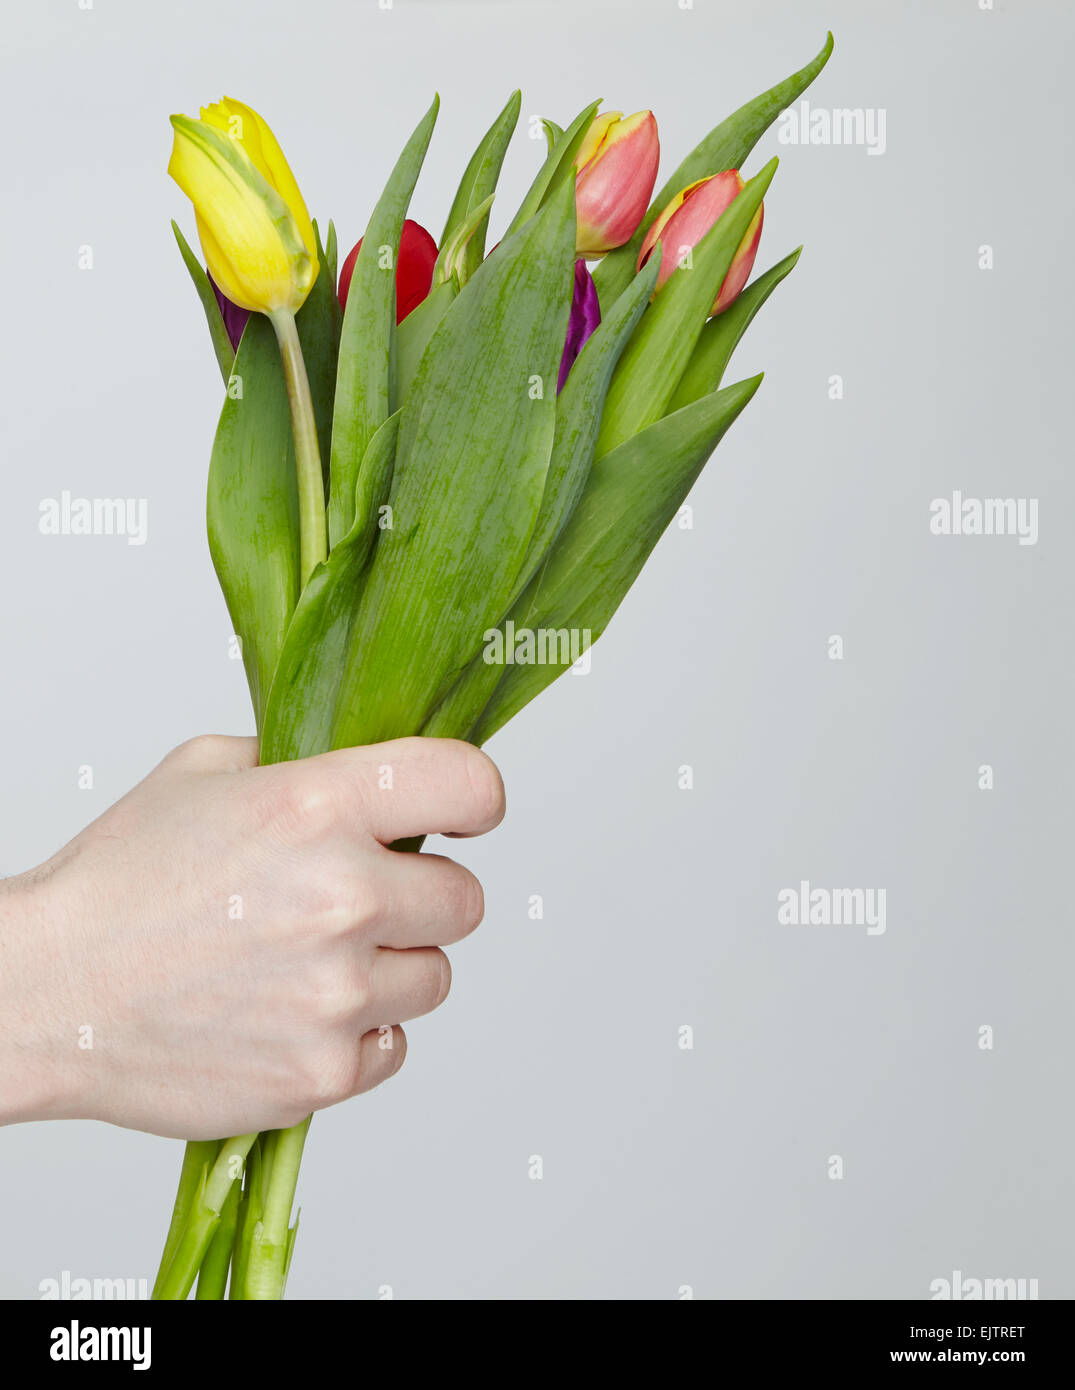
x=420 y=786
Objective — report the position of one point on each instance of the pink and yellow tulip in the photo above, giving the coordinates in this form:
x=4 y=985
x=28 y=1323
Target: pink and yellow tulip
x=687 y=218
x=617 y=169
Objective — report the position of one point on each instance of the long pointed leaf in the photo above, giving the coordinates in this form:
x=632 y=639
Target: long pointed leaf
x=560 y=159
x=252 y=508
x=721 y=336
x=375 y=478
x=302 y=701
x=252 y=502
x=578 y=416
x=319 y=332
x=654 y=360
x=222 y=347
x=725 y=147
x=363 y=380
x=413 y=335
x=632 y=495
x=455 y=255
x=470 y=471
x=330 y=253
x=553 y=132
x=480 y=178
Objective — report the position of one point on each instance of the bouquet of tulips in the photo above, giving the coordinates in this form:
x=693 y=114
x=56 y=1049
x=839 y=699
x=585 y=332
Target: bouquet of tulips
x=433 y=476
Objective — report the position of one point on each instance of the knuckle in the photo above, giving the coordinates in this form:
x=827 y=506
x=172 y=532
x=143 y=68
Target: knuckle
x=301 y=809
x=214 y=753
x=325 y=1076
x=334 y=908
x=330 y=998
x=334 y=902
x=193 y=752
x=365 y=904
x=342 y=992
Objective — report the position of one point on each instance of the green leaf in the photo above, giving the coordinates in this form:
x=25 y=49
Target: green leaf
x=458 y=712
x=375 y=480
x=480 y=179
x=725 y=147
x=299 y=712
x=330 y=255
x=215 y=319
x=632 y=495
x=318 y=323
x=470 y=471
x=721 y=335
x=554 y=171
x=252 y=506
x=453 y=257
x=302 y=701
x=553 y=132
x=252 y=509
x=363 y=380
x=578 y=416
x=414 y=333
x=654 y=360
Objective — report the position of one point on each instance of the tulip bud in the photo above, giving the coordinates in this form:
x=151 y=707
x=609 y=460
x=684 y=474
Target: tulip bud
x=686 y=220
x=255 y=231
x=414 y=269
x=585 y=318
x=617 y=169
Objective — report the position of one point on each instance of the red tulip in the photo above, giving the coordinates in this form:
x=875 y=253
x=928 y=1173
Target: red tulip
x=686 y=220
x=617 y=168
x=414 y=269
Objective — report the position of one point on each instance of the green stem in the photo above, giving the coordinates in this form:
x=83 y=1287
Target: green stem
x=269 y=1140
x=213 y=1275
x=203 y=1219
x=269 y=1255
x=248 y=1217
x=198 y=1154
x=313 y=531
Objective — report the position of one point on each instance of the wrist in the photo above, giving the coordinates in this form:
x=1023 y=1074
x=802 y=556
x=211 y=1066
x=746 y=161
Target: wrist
x=37 y=1072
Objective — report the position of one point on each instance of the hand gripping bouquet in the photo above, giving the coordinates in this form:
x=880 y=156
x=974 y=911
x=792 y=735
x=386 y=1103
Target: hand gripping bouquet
x=429 y=480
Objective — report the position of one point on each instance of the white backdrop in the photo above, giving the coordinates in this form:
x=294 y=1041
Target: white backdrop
x=663 y=1167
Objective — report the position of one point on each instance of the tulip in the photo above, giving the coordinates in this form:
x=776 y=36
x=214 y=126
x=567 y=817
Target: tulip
x=261 y=251
x=617 y=169
x=414 y=269
x=686 y=220
x=585 y=317
x=255 y=231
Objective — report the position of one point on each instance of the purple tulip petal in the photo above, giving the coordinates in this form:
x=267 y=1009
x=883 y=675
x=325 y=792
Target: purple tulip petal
x=585 y=316
x=234 y=317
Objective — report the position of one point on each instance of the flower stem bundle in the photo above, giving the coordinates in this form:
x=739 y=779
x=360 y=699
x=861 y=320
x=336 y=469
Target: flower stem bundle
x=447 y=447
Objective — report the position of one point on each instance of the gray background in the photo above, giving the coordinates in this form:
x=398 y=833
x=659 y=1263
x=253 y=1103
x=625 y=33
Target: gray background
x=663 y=1168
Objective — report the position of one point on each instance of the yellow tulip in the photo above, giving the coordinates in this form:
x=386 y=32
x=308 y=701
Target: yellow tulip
x=253 y=225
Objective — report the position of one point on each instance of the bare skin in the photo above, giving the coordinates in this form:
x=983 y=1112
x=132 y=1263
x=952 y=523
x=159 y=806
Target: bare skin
x=230 y=947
